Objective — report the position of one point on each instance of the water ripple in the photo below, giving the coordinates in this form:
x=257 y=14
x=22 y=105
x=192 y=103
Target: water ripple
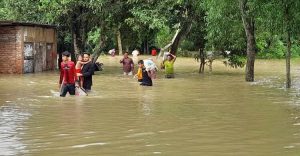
x=91 y=144
x=11 y=119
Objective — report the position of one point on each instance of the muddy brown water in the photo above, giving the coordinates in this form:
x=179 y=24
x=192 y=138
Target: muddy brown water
x=215 y=114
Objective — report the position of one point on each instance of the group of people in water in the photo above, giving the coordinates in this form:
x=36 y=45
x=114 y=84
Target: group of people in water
x=75 y=76
x=78 y=77
x=147 y=69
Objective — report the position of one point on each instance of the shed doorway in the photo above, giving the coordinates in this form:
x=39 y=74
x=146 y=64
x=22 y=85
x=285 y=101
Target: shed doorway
x=28 y=57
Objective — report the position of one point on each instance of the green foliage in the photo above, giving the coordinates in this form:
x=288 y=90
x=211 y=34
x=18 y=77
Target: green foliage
x=163 y=36
x=187 y=45
x=93 y=39
x=270 y=46
x=4 y=11
x=235 y=61
x=224 y=26
x=216 y=25
x=273 y=27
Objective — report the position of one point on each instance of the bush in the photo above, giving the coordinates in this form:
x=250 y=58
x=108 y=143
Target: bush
x=235 y=61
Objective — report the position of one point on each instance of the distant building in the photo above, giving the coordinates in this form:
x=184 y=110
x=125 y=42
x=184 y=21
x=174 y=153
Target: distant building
x=27 y=47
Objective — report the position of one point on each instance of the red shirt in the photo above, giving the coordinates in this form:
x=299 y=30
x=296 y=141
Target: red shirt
x=67 y=73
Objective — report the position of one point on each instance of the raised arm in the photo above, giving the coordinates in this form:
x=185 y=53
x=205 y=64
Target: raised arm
x=122 y=60
x=78 y=65
x=174 y=57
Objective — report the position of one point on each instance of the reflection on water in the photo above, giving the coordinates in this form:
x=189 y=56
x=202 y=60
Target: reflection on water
x=212 y=114
x=11 y=120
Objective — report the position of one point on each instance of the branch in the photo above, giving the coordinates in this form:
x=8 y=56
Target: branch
x=168 y=45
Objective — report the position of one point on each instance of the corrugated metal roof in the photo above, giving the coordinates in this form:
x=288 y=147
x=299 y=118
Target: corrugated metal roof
x=14 y=23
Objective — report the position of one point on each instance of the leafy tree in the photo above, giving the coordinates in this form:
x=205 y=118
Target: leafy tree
x=229 y=18
x=283 y=16
x=176 y=14
x=225 y=31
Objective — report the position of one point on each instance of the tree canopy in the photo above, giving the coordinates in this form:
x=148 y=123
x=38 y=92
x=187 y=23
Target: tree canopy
x=174 y=25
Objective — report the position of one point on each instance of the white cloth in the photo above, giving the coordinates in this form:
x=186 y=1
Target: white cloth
x=165 y=55
x=149 y=65
x=135 y=53
x=80 y=92
x=111 y=51
x=130 y=73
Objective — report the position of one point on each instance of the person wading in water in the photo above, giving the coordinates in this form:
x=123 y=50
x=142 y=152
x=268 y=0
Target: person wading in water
x=128 y=65
x=67 y=75
x=169 y=66
x=87 y=72
x=146 y=75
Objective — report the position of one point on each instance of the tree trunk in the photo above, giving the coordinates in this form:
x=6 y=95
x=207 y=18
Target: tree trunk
x=99 y=48
x=168 y=45
x=288 y=40
x=119 y=42
x=175 y=41
x=248 y=22
x=78 y=34
x=182 y=32
x=102 y=42
x=83 y=36
x=202 y=60
x=144 y=52
x=76 y=48
x=288 y=61
x=146 y=47
x=250 y=57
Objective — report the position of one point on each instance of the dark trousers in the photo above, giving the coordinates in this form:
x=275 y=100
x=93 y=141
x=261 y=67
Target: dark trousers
x=146 y=84
x=67 y=88
x=169 y=76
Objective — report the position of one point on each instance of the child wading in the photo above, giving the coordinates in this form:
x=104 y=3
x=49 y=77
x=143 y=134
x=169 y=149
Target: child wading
x=67 y=75
x=146 y=75
x=139 y=75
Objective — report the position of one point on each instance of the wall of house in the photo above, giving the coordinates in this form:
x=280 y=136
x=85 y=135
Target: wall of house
x=43 y=43
x=11 y=61
x=27 y=49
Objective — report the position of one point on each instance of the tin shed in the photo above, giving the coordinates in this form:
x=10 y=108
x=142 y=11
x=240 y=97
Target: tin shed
x=27 y=47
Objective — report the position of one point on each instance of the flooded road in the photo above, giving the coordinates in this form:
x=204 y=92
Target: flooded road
x=215 y=114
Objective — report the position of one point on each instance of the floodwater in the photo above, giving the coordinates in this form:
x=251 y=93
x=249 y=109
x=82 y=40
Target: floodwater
x=214 y=114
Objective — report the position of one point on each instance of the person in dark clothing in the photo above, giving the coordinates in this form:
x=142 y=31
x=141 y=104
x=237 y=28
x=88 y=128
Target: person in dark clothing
x=87 y=72
x=146 y=80
x=67 y=75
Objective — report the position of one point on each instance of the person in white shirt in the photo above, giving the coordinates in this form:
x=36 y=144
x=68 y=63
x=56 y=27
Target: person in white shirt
x=135 y=55
x=112 y=52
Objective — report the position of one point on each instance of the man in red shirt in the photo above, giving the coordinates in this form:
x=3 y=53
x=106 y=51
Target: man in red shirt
x=67 y=75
